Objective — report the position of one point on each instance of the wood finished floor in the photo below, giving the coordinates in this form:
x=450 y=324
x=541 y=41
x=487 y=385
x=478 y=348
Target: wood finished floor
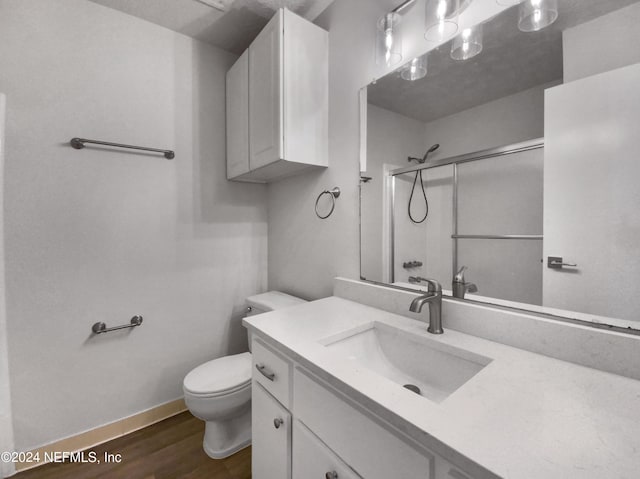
x=171 y=449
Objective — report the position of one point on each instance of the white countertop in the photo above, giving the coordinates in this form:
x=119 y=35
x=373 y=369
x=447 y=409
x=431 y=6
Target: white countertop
x=523 y=416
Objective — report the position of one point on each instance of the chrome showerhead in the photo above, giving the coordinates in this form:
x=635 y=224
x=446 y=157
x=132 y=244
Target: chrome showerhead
x=424 y=158
x=430 y=150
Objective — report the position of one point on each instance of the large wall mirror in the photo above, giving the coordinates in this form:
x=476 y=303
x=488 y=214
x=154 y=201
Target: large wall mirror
x=514 y=159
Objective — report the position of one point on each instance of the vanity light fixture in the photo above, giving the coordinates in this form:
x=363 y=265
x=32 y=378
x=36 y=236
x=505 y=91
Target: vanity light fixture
x=389 y=41
x=415 y=69
x=441 y=19
x=535 y=15
x=468 y=44
x=388 y=37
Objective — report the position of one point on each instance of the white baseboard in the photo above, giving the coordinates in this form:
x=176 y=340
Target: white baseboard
x=105 y=433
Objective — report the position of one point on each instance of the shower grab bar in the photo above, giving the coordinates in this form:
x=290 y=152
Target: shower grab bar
x=507 y=237
x=99 y=328
x=79 y=144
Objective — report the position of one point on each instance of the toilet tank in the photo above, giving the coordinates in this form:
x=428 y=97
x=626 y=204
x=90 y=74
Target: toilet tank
x=269 y=301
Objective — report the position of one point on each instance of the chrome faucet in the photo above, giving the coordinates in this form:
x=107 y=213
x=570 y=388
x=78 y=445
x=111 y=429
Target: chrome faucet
x=460 y=287
x=433 y=296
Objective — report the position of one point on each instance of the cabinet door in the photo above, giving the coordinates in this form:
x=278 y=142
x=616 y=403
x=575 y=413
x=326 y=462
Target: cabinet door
x=312 y=459
x=271 y=442
x=306 y=91
x=265 y=95
x=238 y=117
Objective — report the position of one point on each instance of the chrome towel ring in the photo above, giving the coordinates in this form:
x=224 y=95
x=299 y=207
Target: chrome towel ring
x=333 y=193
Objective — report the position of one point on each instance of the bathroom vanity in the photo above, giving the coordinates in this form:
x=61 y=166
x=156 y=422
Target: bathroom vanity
x=329 y=401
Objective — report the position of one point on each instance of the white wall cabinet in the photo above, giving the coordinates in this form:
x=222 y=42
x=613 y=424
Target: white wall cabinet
x=284 y=78
x=238 y=117
x=326 y=435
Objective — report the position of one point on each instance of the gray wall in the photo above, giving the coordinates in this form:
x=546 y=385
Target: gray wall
x=97 y=235
x=305 y=253
x=603 y=44
x=391 y=138
x=508 y=120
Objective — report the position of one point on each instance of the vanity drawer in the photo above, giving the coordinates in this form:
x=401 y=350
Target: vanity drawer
x=272 y=371
x=363 y=443
x=446 y=470
x=313 y=459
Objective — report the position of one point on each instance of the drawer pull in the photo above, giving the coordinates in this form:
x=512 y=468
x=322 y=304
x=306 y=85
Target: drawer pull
x=277 y=422
x=331 y=475
x=263 y=370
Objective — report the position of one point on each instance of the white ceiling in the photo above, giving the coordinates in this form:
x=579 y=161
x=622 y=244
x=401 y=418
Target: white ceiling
x=232 y=30
x=510 y=62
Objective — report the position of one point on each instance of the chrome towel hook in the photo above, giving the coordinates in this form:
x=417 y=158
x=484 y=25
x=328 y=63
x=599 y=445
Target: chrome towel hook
x=333 y=193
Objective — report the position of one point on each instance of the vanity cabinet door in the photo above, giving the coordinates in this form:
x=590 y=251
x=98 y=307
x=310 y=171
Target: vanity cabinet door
x=271 y=435
x=313 y=460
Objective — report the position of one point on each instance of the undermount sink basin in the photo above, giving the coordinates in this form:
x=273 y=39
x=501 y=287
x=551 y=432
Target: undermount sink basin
x=433 y=369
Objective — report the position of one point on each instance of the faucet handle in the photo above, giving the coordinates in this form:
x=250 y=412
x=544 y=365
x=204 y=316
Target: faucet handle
x=432 y=285
x=459 y=276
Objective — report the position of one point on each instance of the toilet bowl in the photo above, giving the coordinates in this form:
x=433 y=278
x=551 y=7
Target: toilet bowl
x=219 y=391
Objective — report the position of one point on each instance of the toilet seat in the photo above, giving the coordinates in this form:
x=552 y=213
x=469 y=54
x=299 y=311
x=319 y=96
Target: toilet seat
x=219 y=377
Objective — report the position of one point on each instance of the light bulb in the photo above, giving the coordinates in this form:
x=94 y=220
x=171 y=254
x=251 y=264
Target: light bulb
x=389 y=41
x=415 y=69
x=442 y=19
x=535 y=15
x=468 y=44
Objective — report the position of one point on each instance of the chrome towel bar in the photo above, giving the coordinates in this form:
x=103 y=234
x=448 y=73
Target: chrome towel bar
x=79 y=144
x=99 y=328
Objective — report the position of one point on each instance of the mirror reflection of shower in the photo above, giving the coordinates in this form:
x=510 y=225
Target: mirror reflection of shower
x=415 y=179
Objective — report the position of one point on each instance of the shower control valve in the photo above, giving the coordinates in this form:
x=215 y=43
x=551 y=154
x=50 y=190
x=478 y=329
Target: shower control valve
x=412 y=264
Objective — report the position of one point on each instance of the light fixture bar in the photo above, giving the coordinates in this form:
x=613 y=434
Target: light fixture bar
x=220 y=5
x=403 y=6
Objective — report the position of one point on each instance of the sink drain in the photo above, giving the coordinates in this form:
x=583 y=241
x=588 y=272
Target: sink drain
x=412 y=387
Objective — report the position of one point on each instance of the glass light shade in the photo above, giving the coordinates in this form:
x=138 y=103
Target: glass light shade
x=535 y=15
x=508 y=3
x=415 y=69
x=468 y=44
x=441 y=19
x=389 y=40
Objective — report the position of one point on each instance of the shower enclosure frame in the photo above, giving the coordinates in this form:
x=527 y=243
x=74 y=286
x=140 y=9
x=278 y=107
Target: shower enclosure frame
x=390 y=187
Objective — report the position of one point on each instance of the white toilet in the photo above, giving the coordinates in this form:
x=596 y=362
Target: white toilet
x=219 y=391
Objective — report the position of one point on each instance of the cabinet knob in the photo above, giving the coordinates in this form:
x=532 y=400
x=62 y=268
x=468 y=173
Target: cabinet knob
x=277 y=422
x=331 y=475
